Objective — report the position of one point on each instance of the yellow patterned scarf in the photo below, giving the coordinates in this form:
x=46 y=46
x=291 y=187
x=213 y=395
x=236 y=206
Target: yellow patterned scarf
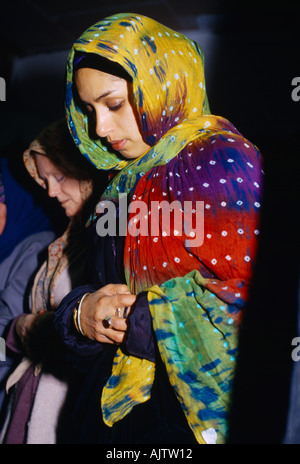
x=168 y=84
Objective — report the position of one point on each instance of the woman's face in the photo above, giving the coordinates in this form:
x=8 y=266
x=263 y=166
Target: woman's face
x=59 y=185
x=106 y=96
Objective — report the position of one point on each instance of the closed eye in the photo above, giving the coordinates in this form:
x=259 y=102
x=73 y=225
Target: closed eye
x=89 y=108
x=115 y=107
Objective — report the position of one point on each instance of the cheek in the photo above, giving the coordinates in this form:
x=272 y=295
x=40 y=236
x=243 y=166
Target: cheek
x=72 y=189
x=130 y=123
x=78 y=198
x=74 y=205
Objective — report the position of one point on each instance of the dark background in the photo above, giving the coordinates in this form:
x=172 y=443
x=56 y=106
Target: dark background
x=252 y=55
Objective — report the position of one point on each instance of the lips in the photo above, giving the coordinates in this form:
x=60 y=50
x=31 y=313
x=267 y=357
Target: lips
x=118 y=144
x=63 y=202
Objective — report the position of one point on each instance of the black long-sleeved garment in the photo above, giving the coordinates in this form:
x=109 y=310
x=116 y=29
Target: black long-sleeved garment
x=160 y=419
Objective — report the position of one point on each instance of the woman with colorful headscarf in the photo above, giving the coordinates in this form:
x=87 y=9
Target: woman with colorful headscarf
x=137 y=106
x=39 y=384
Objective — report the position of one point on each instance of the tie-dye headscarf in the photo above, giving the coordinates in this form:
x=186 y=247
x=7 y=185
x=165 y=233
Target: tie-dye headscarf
x=169 y=97
x=195 y=296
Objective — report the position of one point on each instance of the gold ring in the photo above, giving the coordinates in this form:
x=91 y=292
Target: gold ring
x=119 y=312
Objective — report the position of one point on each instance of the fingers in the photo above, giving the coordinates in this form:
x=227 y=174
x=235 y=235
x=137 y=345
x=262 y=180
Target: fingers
x=108 y=302
x=112 y=303
x=115 y=327
x=110 y=330
x=20 y=326
x=123 y=312
x=113 y=289
x=24 y=324
x=114 y=330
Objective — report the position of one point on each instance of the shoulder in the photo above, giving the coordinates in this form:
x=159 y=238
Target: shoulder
x=219 y=161
x=225 y=145
x=219 y=156
x=34 y=243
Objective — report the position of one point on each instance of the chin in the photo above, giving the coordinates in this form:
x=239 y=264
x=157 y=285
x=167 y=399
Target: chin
x=131 y=155
x=69 y=213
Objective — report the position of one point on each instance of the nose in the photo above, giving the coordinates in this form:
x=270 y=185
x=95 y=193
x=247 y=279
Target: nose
x=53 y=188
x=103 y=123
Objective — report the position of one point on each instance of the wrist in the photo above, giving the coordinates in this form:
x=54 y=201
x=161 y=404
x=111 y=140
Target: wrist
x=77 y=314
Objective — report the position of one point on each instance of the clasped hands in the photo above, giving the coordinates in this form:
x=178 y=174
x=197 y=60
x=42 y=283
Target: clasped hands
x=109 y=301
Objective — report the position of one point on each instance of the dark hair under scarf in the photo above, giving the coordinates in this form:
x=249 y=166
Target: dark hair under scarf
x=93 y=61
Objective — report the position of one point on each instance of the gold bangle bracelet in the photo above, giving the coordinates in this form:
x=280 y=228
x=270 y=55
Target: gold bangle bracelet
x=75 y=316
x=79 y=312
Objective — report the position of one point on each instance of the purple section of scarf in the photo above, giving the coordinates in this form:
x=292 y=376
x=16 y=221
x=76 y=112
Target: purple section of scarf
x=24 y=394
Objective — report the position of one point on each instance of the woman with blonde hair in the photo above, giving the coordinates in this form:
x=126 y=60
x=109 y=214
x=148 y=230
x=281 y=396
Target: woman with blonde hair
x=38 y=386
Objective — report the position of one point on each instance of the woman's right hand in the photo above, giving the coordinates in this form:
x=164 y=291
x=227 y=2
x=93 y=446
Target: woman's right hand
x=24 y=324
x=102 y=303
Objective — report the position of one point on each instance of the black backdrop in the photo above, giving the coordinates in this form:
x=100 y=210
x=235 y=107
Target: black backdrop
x=252 y=57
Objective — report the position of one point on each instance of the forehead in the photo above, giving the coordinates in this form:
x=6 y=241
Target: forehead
x=90 y=81
x=44 y=164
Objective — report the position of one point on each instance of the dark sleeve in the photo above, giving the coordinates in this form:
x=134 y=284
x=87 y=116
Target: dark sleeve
x=140 y=337
x=63 y=323
x=139 y=342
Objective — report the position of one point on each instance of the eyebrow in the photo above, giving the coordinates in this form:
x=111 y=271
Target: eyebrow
x=105 y=94
x=35 y=152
